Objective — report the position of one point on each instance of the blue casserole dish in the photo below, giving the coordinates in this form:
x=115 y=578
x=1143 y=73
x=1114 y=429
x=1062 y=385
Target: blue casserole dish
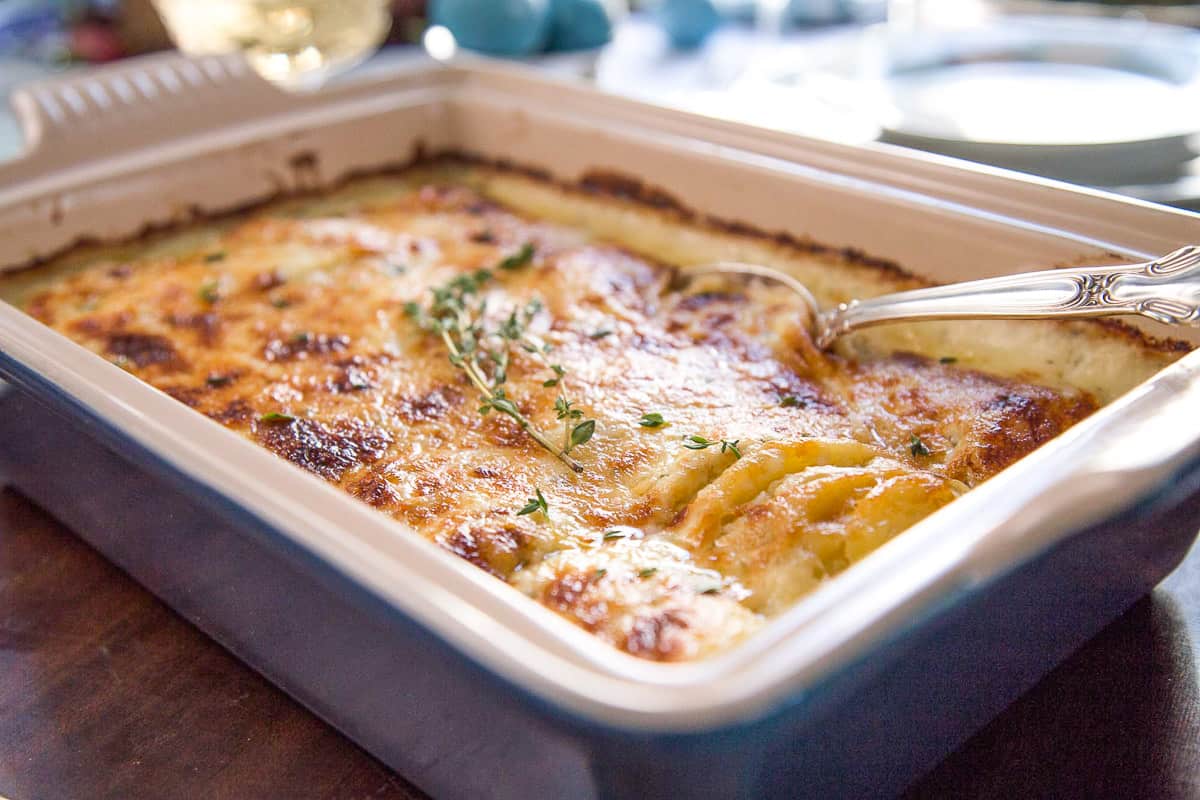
x=462 y=685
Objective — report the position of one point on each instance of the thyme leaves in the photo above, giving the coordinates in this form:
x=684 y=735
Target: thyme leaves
x=457 y=314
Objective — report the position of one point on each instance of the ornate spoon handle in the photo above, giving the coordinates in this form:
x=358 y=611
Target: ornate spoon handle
x=1166 y=289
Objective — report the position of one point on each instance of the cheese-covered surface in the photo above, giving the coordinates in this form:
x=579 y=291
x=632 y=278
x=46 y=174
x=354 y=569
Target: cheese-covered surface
x=287 y=324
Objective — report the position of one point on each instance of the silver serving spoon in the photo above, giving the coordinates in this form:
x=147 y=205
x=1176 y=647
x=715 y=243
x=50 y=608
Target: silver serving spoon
x=1166 y=289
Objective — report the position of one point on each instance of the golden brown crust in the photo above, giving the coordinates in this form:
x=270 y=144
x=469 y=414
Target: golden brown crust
x=287 y=326
x=973 y=424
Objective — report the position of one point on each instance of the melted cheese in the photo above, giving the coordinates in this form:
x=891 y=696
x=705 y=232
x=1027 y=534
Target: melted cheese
x=296 y=311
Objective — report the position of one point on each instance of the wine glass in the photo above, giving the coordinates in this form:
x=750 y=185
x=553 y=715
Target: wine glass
x=297 y=44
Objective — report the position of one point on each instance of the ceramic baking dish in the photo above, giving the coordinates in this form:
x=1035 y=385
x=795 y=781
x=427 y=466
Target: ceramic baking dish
x=464 y=686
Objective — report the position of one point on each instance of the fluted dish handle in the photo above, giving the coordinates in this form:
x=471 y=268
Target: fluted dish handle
x=1166 y=289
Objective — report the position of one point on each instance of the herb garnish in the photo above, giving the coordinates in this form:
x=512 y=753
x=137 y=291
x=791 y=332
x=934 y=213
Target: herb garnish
x=712 y=590
x=652 y=420
x=581 y=433
x=600 y=334
x=210 y=292
x=916 y=446
x=947 y=360
x=217 y=379
x=575 y=432
x=614 y=534
x=694 y=442
x=281 y=302
x=457 y=316
x=275 y=416
x=600 y=573
x=792 y=401
x=518 y=259
x=535 y=504
x=210 y=258
x=647 y=572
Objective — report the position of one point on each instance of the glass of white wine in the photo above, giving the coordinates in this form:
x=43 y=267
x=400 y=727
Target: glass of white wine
x=295 y=43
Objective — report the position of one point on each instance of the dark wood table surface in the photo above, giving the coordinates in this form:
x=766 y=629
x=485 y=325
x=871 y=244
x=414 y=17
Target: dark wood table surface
x=104 y=692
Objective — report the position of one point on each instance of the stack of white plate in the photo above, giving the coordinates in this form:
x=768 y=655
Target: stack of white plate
x=1102 y=101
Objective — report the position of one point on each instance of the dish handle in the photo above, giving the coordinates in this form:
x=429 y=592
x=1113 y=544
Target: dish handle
x=88 y=115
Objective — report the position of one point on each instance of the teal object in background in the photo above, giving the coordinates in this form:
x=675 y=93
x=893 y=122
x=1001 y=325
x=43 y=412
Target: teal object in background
x=498 y=27
x=817 y=12
x=579 y=24
x=688 y=22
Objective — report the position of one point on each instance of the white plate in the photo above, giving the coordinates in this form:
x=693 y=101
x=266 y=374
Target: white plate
x=1102 y=100
x=1184 y=14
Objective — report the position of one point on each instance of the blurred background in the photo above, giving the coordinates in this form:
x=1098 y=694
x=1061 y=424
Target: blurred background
x=1100 y=93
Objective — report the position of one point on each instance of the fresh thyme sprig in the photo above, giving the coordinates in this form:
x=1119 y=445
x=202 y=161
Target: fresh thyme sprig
x=694 y=442
x=458 y=316
x=576 y=429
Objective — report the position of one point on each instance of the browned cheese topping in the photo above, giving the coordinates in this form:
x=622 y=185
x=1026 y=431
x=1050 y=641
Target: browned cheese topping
x=288 y=326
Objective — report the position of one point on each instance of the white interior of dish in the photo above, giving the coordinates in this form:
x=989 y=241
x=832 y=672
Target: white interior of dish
x=153 y=141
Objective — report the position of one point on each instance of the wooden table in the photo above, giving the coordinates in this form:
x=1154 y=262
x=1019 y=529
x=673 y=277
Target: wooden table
x=104 y=692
